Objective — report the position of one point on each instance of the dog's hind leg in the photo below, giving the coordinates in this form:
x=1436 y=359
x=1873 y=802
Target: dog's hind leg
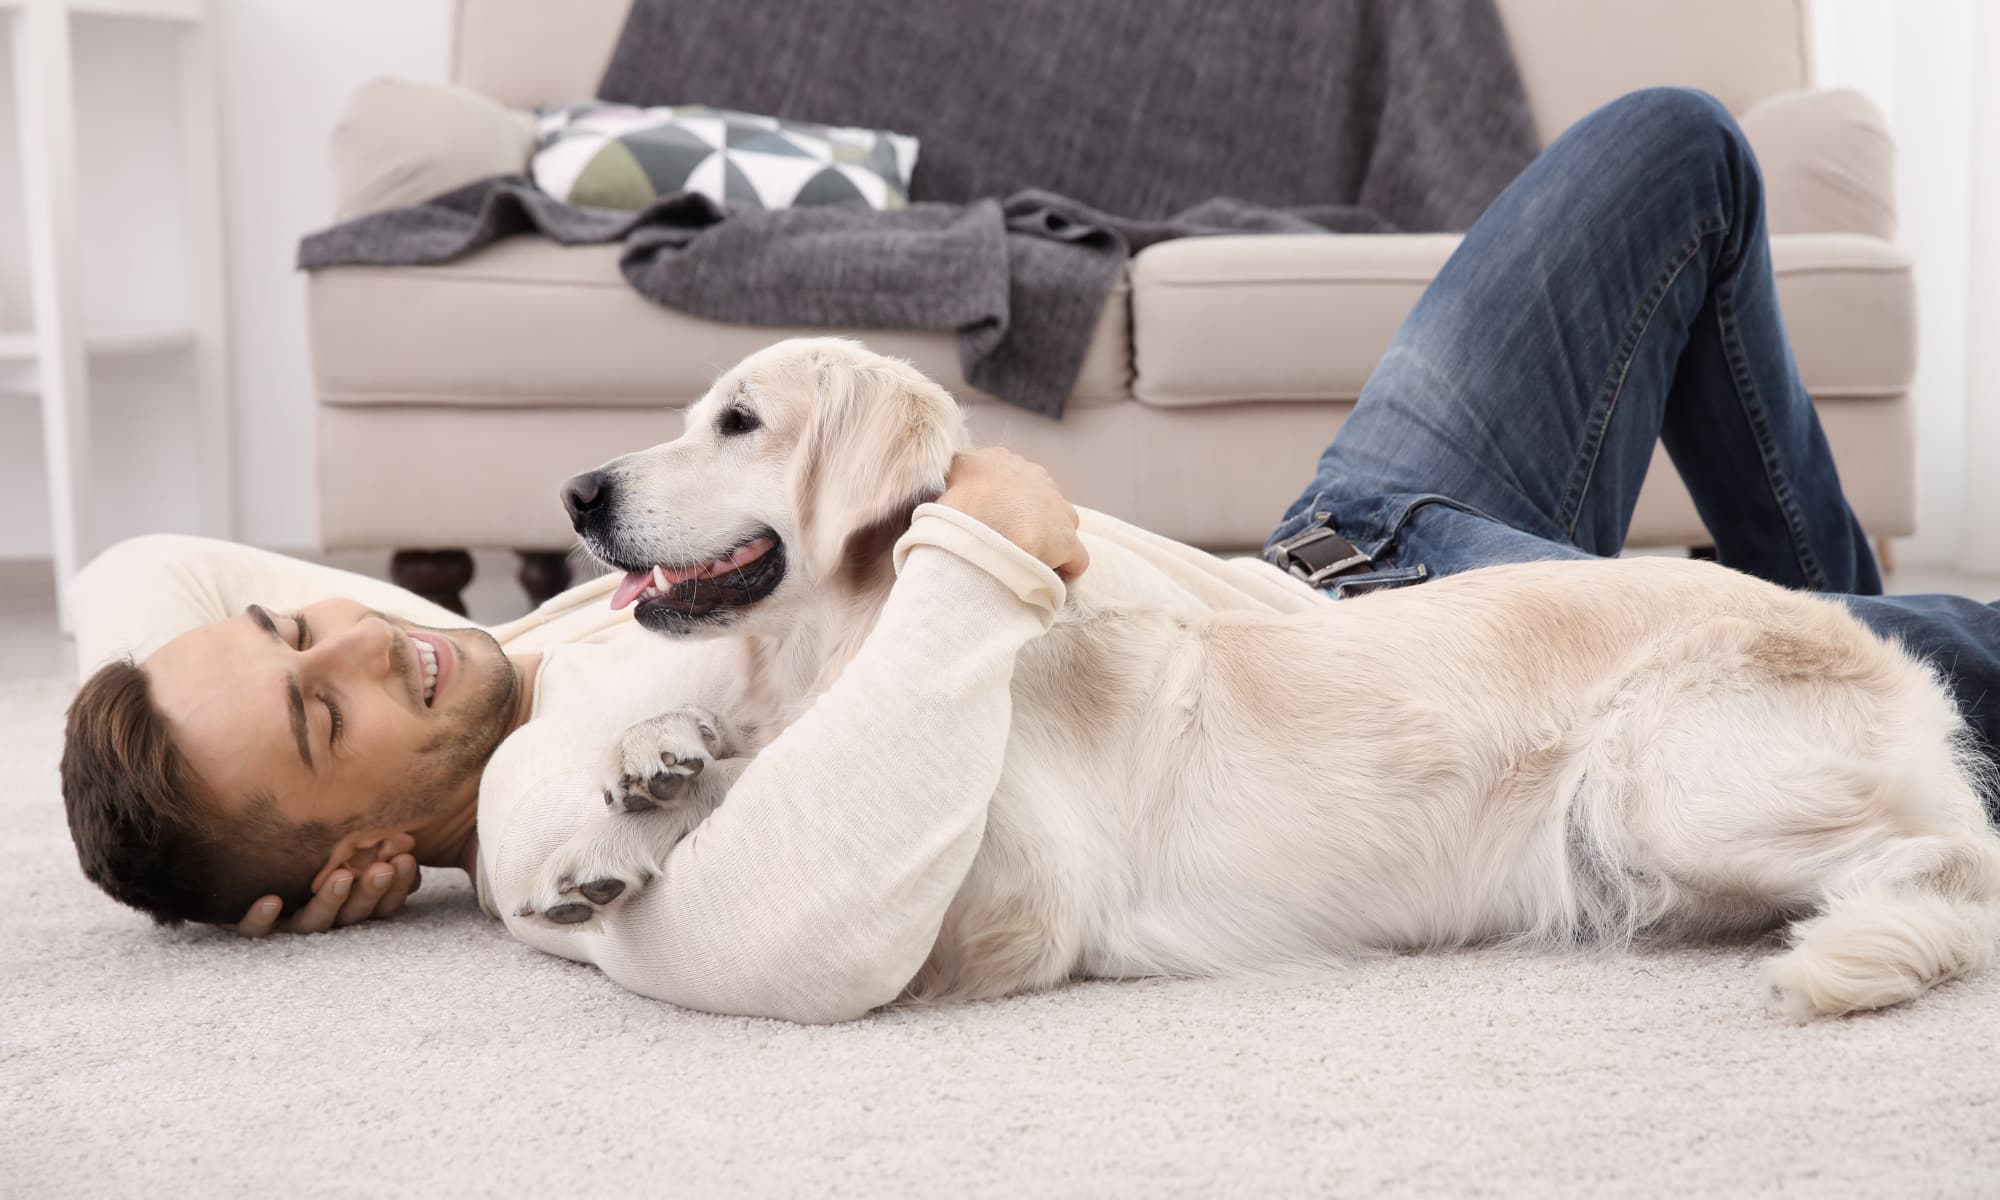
x=1755 y=775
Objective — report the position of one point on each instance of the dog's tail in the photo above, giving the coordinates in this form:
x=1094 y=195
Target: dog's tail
x=1882 y=943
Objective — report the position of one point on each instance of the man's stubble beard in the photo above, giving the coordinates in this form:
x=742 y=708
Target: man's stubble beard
x=443 y=765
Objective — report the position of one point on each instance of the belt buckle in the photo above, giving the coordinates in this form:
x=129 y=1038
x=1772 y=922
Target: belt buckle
x=1343 y=555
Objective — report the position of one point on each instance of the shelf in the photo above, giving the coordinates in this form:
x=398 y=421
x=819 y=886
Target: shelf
x=17 y=350
x=186 y=12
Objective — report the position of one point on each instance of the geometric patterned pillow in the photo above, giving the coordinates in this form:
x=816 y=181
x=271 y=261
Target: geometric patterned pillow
x=600 y=155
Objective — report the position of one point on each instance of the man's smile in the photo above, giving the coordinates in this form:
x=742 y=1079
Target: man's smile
x=433 y=663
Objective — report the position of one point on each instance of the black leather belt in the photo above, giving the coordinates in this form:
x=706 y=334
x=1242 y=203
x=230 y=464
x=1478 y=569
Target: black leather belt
x=1319 y=555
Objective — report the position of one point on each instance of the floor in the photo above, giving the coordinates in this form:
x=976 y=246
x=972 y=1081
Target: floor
x=31 y=647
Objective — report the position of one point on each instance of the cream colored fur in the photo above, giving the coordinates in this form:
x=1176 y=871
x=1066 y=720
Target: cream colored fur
x=1566 y=754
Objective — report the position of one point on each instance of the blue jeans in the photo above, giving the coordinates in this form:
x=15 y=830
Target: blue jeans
x=1619 y=294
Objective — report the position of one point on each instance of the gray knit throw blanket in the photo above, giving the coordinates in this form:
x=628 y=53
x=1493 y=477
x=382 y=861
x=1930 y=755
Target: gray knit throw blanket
x=1059 y=138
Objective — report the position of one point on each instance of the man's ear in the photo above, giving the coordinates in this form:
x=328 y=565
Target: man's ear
x=360 y=850
x=878 y=441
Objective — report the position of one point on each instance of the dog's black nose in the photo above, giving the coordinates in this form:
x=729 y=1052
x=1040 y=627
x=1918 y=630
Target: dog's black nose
x=584 y=495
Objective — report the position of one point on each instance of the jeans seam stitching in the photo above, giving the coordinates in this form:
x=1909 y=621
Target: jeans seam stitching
x=1755 y=414
x=1570 y=511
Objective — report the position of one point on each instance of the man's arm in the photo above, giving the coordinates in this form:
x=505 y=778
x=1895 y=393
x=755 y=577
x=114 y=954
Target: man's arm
x=146 y=591
x=817 y=889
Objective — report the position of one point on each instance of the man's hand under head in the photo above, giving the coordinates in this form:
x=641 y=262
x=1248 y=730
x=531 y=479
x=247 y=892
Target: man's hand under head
x=345 y=897
x=1017 y=500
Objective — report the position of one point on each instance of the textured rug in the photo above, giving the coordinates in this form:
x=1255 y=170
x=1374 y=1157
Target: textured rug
x=431 y=1055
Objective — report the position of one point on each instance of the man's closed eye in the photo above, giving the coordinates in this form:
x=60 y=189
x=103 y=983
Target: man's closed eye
x=336 y=723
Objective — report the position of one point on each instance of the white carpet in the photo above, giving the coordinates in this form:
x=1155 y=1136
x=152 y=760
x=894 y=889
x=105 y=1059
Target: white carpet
x=431 y=1055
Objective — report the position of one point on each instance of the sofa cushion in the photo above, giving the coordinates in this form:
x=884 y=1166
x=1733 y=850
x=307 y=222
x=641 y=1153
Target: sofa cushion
x=1828 y=161
x=401 y=142
x=527 y=323
x=1577 y=54
x=528 y=52
x=603 y=155
x=1226 y=320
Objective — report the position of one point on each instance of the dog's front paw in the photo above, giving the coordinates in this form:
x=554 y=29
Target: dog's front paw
x=596 y=871
x=656 y=760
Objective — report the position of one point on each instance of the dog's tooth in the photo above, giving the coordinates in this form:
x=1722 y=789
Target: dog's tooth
x=659 y=577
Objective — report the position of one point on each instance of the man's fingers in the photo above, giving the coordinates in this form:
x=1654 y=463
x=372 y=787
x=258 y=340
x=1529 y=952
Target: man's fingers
x=406 y=881
x=318 y=914
x=261 y=919
x=1077 y=562
x=366 y=893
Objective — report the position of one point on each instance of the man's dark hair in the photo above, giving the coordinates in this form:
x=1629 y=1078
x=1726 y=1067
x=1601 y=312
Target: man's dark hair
x=152 y=835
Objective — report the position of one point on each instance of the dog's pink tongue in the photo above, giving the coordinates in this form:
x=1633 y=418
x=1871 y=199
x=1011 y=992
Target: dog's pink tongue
x=629 y=589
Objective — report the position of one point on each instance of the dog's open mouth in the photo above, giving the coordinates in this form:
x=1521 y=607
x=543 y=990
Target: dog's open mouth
x=669 y=594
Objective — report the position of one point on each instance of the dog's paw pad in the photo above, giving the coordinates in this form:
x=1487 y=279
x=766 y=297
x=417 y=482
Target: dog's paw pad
x=655 y=759
x=602 y=891
x=570 y=913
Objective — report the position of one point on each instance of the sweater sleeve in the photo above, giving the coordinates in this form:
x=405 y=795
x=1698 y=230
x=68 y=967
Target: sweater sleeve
x=815 y=892
x=146 y=591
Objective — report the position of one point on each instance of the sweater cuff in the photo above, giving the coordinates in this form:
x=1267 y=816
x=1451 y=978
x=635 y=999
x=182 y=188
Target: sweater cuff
x=950 y=530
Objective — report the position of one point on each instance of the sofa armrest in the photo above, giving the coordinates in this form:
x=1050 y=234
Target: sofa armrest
x=401 y=142
x=1829 y=162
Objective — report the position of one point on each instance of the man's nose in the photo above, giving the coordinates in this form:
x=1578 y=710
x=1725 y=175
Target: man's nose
x=585 y=495
x=363 y=647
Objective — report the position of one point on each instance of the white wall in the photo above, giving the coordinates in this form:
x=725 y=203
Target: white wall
x=286 y=67
x=1934 y=70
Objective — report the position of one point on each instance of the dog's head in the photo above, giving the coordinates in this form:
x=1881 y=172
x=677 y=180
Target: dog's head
x=796 y=473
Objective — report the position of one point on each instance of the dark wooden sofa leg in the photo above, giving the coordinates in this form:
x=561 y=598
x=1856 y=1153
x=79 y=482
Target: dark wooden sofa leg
x=543 y=574
x=439 y=576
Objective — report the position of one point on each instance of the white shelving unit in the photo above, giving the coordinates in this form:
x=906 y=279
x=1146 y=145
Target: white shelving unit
x=51 y=361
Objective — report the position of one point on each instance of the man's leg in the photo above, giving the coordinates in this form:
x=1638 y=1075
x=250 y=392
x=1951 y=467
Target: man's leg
x=1960 y=638
x=1617 y=294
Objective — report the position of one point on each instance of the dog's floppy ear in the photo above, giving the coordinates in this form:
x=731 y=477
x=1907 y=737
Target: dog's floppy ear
x=878 y=440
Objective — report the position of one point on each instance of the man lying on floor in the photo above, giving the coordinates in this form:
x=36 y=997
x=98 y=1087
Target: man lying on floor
x=294 y=744
x=1617 y=295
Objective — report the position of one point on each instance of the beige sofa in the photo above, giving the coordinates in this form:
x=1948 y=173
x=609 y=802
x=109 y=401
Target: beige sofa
x=454 y=399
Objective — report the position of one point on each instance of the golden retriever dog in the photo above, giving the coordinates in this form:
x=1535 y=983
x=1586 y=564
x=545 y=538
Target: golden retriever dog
x=1561 y=754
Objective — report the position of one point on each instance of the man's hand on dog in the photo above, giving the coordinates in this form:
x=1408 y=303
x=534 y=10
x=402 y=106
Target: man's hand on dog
x=1017 y=500
x=345 y=898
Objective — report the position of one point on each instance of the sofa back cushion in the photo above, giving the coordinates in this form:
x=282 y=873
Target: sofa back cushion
x=1573 y=54
x=525 y=53
x=1576 y=54
x=1142 y=108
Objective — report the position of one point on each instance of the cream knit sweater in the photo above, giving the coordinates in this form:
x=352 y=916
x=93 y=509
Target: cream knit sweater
x=815 y=892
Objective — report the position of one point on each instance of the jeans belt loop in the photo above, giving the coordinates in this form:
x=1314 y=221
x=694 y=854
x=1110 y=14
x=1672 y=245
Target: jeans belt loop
x=1320 y=554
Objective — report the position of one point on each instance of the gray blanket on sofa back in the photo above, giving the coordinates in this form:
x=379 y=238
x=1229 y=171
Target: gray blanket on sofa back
x=1059 y=137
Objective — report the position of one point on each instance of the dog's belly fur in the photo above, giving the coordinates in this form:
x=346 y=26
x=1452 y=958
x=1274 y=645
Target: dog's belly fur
x=1561 y=753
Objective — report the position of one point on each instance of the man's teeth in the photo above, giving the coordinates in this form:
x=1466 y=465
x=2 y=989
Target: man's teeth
x=427 y=659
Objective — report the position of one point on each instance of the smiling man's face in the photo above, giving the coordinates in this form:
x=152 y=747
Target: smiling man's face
x=333 y=712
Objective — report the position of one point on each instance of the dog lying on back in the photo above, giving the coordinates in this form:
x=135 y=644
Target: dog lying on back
x=1558 y=754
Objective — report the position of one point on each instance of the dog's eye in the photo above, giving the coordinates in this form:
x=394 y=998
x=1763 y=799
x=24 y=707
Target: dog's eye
x=737 y=420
